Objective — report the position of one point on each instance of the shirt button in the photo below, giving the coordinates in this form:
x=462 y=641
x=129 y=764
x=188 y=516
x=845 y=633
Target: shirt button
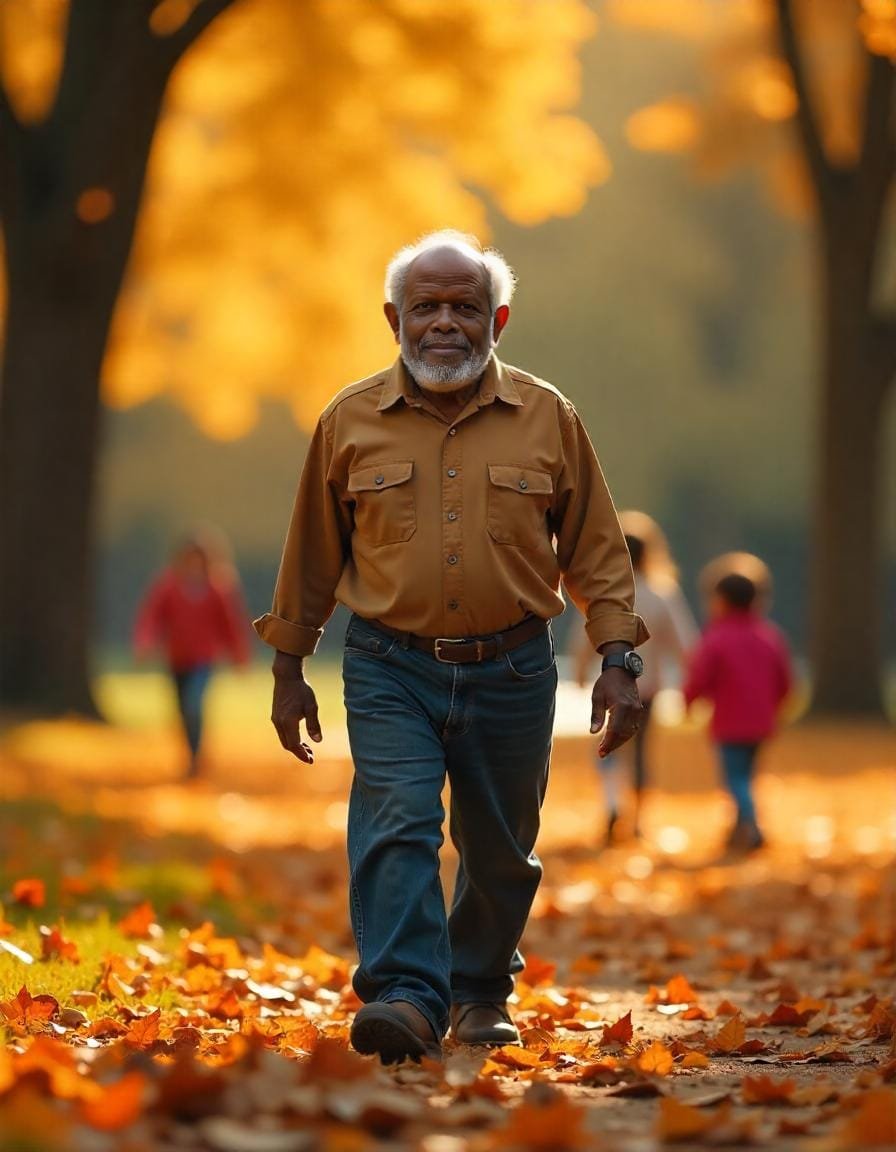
x=452 y=515
x=379 y=479
x=453 y=605
x=452 y=559
x=452 y=431
x=524 y=484
x=452 y=472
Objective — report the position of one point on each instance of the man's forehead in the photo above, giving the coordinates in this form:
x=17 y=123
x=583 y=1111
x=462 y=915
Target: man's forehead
x=444 y=266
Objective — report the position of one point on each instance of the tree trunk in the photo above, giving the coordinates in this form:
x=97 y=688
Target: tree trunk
x=847 y=576
x=63 y=276
x=48 y=447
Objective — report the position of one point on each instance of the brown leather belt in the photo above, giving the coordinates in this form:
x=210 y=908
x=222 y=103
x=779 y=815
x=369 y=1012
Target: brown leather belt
x=469 y=650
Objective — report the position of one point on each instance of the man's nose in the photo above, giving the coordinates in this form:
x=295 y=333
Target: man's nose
x=444 y=320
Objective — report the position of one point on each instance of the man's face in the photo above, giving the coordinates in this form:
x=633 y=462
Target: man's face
x=446 y=328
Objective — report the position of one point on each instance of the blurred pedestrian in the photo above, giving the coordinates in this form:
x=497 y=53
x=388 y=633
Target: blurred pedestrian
x=660 y=602
x=193 y=611
x=742 y=665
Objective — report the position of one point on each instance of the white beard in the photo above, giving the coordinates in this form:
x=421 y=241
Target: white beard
x=445 y=377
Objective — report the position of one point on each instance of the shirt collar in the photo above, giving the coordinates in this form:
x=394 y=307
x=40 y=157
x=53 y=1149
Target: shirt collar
x=497 y=384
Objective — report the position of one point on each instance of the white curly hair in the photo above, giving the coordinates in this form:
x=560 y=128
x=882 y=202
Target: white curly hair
x=499 y=274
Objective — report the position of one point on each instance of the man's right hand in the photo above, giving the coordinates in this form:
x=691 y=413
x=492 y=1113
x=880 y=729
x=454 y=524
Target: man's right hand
x=294 y=701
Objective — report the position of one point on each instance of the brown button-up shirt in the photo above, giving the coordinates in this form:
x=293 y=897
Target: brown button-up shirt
x=451 y=528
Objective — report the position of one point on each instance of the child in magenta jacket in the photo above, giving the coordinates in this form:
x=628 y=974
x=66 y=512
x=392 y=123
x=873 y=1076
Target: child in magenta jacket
x=742 y=665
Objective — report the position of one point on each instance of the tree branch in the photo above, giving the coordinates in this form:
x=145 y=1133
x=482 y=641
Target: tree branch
x=204 y=14
x=807 y=122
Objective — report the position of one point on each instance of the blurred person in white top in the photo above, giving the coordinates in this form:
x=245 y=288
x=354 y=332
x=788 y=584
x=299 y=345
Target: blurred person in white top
x=673 y=632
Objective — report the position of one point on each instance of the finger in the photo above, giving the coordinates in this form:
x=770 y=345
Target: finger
x=288 y=731
x=623 y=725
x=312 y=723
x=598 y=711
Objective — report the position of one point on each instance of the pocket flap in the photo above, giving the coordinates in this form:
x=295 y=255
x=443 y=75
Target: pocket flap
x=379 y=476
x=529 y=481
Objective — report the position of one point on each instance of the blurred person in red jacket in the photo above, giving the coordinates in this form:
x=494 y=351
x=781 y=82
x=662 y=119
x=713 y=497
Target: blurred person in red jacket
x=742 y=665
x=193 y=611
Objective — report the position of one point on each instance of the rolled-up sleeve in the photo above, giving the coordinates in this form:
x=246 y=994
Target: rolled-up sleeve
x=317 y=543
x=591 y=548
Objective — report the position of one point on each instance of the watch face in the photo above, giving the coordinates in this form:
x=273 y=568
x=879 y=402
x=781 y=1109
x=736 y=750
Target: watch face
x=634 y=663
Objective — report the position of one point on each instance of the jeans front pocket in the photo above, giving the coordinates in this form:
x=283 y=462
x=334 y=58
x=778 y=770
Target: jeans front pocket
x=533 y=659
x=361 y=640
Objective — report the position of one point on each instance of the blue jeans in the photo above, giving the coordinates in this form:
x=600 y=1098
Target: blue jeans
x=738 y=763
x=190 y=686
x=412 y=721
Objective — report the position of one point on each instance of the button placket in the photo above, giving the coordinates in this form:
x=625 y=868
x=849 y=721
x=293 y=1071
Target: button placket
x=452 y=534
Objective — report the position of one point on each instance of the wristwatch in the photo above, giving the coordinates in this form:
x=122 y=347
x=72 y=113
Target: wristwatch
x=631 y=662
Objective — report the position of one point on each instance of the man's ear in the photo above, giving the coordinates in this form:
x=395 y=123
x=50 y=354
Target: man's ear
x=392 y=316
x=502 y=315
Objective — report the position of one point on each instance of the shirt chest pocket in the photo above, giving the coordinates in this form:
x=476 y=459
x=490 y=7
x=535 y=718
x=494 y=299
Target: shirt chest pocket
x=385 y=509
x=518 y=502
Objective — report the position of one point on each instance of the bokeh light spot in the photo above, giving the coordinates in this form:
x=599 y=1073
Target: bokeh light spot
x=95 y=205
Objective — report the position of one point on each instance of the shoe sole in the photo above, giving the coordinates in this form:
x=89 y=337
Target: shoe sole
x=486 y=1041
x=379 y=1033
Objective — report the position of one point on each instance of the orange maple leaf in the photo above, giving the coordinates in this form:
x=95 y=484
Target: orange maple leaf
x=788 y=1016
x=546 y=1119
x=140 y=922
x=766 y=1090
x=119 y=1105
x=874 y=1123
x=30 y=892
x=680 y=1122
x=27 y=1011
x=53 y=943
x=144 y=1030
x=538 y=971
x=731 y=1036
x=619 y=1033
x=680 y=991
x=656 y=1059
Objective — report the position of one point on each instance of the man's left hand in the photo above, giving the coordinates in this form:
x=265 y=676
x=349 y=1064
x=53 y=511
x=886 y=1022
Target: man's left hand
x=616 y=692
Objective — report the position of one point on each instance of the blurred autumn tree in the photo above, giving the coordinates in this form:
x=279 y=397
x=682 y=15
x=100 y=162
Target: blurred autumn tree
x=255 y=161
x=805 y=90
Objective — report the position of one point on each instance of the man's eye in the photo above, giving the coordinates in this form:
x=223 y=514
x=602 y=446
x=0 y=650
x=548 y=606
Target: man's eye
x=423 y=306
x=468 y=308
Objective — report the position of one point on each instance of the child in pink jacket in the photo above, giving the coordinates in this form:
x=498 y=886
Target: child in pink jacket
x=741 y=664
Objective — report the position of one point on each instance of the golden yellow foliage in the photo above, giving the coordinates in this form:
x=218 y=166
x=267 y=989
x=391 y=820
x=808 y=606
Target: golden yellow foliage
x=31 y=53
x=670 y=126
x=748 y=101
x=300 y=145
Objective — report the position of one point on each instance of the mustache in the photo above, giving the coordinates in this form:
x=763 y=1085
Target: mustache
x=464 y=345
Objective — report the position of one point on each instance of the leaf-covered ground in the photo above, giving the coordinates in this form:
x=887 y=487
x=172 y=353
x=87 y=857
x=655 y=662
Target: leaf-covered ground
x=175 y=964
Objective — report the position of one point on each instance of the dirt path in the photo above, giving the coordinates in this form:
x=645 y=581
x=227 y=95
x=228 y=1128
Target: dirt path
x=759 y=990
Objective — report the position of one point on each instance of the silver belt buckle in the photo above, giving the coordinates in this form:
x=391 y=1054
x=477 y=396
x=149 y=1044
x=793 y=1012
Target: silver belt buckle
x=437 y=645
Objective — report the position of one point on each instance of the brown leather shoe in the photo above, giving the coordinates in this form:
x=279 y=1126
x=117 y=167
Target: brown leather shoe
x=394 y=1031
x=483 y=1024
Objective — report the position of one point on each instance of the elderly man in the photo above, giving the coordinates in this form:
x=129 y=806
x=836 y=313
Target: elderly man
x=441 y=501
